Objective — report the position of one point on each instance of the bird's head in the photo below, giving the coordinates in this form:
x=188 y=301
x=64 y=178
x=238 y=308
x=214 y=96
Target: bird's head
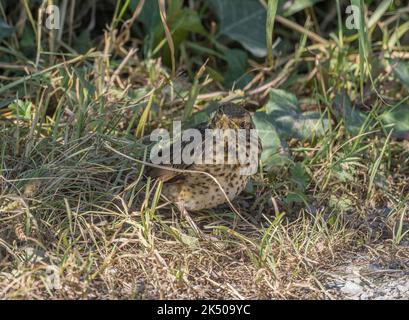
x=231 y=116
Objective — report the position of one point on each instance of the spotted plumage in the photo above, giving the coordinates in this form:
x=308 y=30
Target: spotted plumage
x=197 y=191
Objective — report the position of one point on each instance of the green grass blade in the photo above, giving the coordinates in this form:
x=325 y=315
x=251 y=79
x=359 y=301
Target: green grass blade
x=271 y=14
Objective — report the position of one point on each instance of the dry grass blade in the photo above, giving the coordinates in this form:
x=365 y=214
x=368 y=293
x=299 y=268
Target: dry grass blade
x=168 y=34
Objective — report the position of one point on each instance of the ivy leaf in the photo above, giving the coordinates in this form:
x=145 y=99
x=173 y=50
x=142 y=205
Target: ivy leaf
x=274 y=149
x=235 y=74
x=285 y=114
x=149 y=15
x=243 y=21
x=398 y=119
x=300 y=176
x=401 y=70
x=353 y=118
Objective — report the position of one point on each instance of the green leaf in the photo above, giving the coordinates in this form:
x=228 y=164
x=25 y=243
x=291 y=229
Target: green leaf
x=398 y=119
x=27 y=42
x=236 y=69
x=284 y=113
x=273 y=147
x=299 y=176
x=179 y=18
x=149 y=15
x=181 y=21
x=187 y=20
x=21 y=109
x=401 y=70
x=243 y=21
x=5 y=30
x=353 y=118
x=295 y=198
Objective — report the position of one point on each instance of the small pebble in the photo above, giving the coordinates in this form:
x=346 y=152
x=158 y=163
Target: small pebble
x=351 y=288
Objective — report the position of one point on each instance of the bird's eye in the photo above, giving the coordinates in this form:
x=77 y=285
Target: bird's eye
x=243 y=125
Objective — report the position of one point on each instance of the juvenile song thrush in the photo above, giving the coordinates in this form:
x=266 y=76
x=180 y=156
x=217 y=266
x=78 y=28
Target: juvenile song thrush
x=197 y=190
